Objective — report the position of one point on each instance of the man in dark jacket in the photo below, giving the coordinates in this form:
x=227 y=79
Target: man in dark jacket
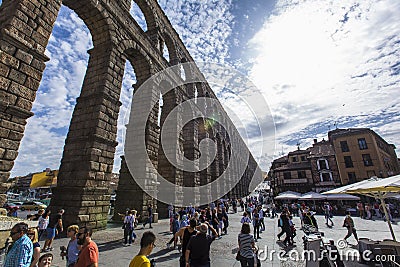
x=198 y=249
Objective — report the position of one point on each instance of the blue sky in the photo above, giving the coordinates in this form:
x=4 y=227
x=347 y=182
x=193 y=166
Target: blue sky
x=317 y=63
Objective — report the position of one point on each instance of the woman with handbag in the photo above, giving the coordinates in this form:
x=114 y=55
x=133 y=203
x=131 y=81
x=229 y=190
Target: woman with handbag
x=246 y=245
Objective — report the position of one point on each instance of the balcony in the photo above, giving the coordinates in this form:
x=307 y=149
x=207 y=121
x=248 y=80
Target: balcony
x=295 y=181
x=325 y=183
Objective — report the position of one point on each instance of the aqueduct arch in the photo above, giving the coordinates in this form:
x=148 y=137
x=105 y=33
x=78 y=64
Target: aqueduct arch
x=87 y=162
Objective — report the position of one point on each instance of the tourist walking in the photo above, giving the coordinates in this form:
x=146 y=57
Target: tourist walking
x=72 y=250
x=256 y=224
x=33 y=235
x=55 y=223
x=175 y=229
x=286 y=229
x=147 y=244
x=150 y=218
x=349 y=224
x=360 y=208
x=245 y=218
x=43 y=222
x=185 y=234
x=280 y=224
x=273 y=210
x=246 y=247
x=89 y=255
x=129 y=223
x=261 y=215
x=225 y=220
x=198 y=249
x=328 y=214
x=20 y=253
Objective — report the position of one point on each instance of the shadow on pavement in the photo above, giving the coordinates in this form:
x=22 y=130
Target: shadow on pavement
x=165 y=233
x=157 y=258
x=115 y=244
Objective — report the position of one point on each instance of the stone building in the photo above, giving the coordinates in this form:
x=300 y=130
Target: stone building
x=350 y=155
x=292 y=173
x=361 y=153
x=323 y=166
x=86 y=166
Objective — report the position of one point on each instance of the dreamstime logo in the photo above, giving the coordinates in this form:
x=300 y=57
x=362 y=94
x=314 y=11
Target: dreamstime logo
x=249 y=113
x=341 y=244
x=342 y=252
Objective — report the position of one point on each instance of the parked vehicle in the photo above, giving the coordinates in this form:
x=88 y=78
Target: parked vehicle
x=45 y=195
x=11 y=205
x=32 y=205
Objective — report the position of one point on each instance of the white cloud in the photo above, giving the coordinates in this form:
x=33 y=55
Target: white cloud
x=309 y=53
x=316 y=62
x=45 y=132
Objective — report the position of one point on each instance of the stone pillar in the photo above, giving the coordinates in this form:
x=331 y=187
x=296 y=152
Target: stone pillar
x=191 y=152
x=129 y=194
x=145 y=107
x=25 y=28
x=221 y=161
x=205 y=175
x=87 y=163
x=175 y=143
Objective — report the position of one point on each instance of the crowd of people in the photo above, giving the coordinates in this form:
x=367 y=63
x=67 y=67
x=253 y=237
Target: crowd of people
x=193 y=230
x=24 y=251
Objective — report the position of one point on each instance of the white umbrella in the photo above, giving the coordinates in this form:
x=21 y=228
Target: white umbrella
x=341 y=197
x=344 y=189
x=312 y=196
x=288 y=195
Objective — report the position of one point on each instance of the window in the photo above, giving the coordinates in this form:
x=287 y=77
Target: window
x=301 y=174
x=362 y=144
x=344 y=146
x=303 y=158
x=326 y=177
x=322 y=164
x=352 y=177
x=294 y=159
x=287 y=175
x=367 y=160
x=348 y=162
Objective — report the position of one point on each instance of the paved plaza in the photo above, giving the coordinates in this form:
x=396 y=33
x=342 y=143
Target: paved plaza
x=223 y=251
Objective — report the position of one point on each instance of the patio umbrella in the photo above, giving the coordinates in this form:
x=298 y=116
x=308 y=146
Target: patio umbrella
x=341 y=197
x=379 y=188
x=312 y=196
x=288 y=195
x=343 y=189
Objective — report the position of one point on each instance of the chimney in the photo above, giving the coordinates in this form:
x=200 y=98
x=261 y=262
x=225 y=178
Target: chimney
x=315 y=140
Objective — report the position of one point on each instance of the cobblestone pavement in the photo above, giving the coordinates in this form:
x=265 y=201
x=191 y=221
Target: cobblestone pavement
x=223 y=251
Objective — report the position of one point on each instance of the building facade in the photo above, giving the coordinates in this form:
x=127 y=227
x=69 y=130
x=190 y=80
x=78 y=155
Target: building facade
x=361 y=153
x=348 y=156
x=292 y=173
x=324 y=169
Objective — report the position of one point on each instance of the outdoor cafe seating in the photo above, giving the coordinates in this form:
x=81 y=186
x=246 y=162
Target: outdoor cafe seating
x=386 y=247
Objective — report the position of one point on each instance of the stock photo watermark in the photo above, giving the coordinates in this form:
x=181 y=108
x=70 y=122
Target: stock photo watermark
x=341 y=252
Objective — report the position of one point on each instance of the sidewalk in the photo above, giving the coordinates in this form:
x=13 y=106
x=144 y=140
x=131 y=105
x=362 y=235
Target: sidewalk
x=223 y=251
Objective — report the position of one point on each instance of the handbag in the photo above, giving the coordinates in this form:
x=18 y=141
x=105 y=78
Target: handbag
x=238 y=256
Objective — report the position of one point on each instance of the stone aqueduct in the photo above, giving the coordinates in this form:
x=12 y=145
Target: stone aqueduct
x=87 y=162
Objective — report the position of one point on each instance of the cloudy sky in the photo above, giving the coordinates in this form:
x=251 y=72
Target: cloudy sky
x=319 y=65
